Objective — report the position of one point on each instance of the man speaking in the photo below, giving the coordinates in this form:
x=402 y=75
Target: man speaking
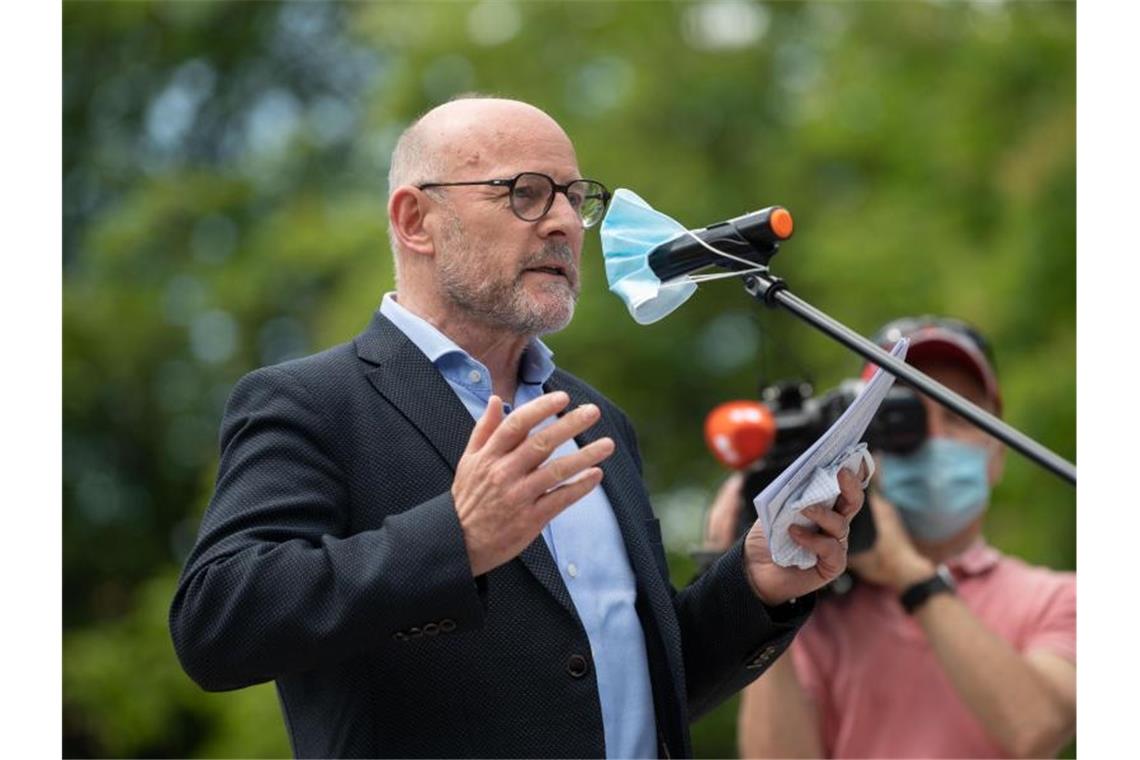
x=437 y=543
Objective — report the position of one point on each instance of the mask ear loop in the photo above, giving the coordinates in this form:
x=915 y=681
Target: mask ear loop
x=753 y=266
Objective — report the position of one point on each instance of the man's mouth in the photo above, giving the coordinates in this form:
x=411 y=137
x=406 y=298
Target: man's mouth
x=553 y=269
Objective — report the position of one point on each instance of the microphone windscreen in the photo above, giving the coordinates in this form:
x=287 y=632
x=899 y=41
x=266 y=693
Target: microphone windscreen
x=739 y=433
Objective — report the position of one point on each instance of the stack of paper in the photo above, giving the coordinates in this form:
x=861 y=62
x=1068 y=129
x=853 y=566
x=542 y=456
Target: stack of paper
x=813 y=477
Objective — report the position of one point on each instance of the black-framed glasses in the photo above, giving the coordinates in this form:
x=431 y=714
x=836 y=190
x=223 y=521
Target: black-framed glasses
x=532 y=195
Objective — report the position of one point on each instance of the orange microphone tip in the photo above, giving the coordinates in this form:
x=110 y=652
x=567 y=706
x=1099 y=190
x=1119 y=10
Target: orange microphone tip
x=781 y=223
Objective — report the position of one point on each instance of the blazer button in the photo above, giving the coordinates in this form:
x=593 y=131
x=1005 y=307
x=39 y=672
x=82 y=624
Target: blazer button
x=577 y=665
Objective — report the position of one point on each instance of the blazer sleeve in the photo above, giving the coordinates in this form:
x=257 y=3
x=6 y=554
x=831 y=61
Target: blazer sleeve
x=728 y=636
x=275 y=583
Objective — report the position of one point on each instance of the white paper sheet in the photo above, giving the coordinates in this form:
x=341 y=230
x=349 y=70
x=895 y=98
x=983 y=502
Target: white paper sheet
x=778 y=506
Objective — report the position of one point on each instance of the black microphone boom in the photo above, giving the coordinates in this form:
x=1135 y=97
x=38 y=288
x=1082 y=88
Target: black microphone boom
x=755 y=236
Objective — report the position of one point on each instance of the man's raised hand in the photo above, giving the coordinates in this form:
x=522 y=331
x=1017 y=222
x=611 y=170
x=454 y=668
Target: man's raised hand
x=505 y=490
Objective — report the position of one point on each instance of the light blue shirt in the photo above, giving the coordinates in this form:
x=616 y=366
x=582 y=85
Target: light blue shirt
x=583 y=539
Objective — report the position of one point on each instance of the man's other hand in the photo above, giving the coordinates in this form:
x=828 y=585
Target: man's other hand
x=505 y=490
x=724 y=514
x=893 y=560
x=775 y=584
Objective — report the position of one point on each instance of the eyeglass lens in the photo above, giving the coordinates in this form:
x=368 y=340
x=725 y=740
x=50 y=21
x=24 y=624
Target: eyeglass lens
x=533 y=195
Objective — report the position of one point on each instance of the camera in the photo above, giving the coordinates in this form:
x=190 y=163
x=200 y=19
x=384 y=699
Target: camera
x=899 y=427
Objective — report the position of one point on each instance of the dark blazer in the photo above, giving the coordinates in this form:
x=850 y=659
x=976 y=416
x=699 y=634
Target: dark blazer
x=331 y=560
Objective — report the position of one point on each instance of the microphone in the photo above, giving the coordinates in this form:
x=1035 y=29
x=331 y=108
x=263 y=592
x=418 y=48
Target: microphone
x=739 y=433
x=755 y=236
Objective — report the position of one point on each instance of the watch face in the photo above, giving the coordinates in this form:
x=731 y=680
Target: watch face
x=947 y=576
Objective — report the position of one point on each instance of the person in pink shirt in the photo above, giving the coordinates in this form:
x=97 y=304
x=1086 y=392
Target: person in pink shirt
x=944 y=647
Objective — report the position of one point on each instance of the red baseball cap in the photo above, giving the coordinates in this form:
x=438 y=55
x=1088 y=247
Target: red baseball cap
x=943 y=338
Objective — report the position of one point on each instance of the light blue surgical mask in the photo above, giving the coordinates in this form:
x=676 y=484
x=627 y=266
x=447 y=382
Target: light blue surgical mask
x=630 y=231
x=939 y=489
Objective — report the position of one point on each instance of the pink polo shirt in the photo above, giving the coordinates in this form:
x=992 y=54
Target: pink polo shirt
x=874 y=678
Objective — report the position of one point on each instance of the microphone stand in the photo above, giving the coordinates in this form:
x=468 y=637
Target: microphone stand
x=773 y=291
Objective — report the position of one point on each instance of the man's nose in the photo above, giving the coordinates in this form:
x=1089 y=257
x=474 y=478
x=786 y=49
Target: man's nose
x=935 y=420
x=561 y=219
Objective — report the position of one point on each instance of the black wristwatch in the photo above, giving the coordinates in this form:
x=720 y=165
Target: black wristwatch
x=942 y=582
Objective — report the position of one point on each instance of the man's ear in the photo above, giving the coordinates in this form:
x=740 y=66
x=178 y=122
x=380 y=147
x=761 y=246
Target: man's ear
x=407 y=210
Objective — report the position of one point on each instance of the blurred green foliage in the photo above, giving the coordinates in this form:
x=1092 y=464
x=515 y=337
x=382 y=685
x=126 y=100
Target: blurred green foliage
x=224 y=208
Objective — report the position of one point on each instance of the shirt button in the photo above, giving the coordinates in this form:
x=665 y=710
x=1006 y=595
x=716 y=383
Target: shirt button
x=572 y=569
x=474 y=376
x=577 y=666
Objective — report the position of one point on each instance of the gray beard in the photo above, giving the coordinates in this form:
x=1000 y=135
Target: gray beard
x=502 y=302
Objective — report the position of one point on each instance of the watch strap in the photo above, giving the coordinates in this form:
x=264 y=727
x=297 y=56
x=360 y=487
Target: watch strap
x=942 y=582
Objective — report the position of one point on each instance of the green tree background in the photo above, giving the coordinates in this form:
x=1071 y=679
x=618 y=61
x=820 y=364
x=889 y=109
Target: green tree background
x=224 y=208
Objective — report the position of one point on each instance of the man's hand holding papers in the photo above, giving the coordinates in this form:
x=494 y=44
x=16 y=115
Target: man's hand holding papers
x=808 y=548
x=829 y=545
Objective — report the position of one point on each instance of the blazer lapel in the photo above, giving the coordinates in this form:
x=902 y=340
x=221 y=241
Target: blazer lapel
x=413 y=385
x=622 y=484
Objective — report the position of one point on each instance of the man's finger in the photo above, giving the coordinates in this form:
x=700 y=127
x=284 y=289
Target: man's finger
x=563 y=468
x=538 y=447
x=830 y=521
x=547 y=507
x=720 y=530
x=886 y=516
x=822 y=545
x=519 y=423
x=487 y=423
x=850 y=494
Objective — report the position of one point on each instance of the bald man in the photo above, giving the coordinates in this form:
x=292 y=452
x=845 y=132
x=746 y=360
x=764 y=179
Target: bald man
x=437 y=543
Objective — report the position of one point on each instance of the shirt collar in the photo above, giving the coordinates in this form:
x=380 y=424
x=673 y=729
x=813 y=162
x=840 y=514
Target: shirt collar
x=535 y=368
x=977 y=558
